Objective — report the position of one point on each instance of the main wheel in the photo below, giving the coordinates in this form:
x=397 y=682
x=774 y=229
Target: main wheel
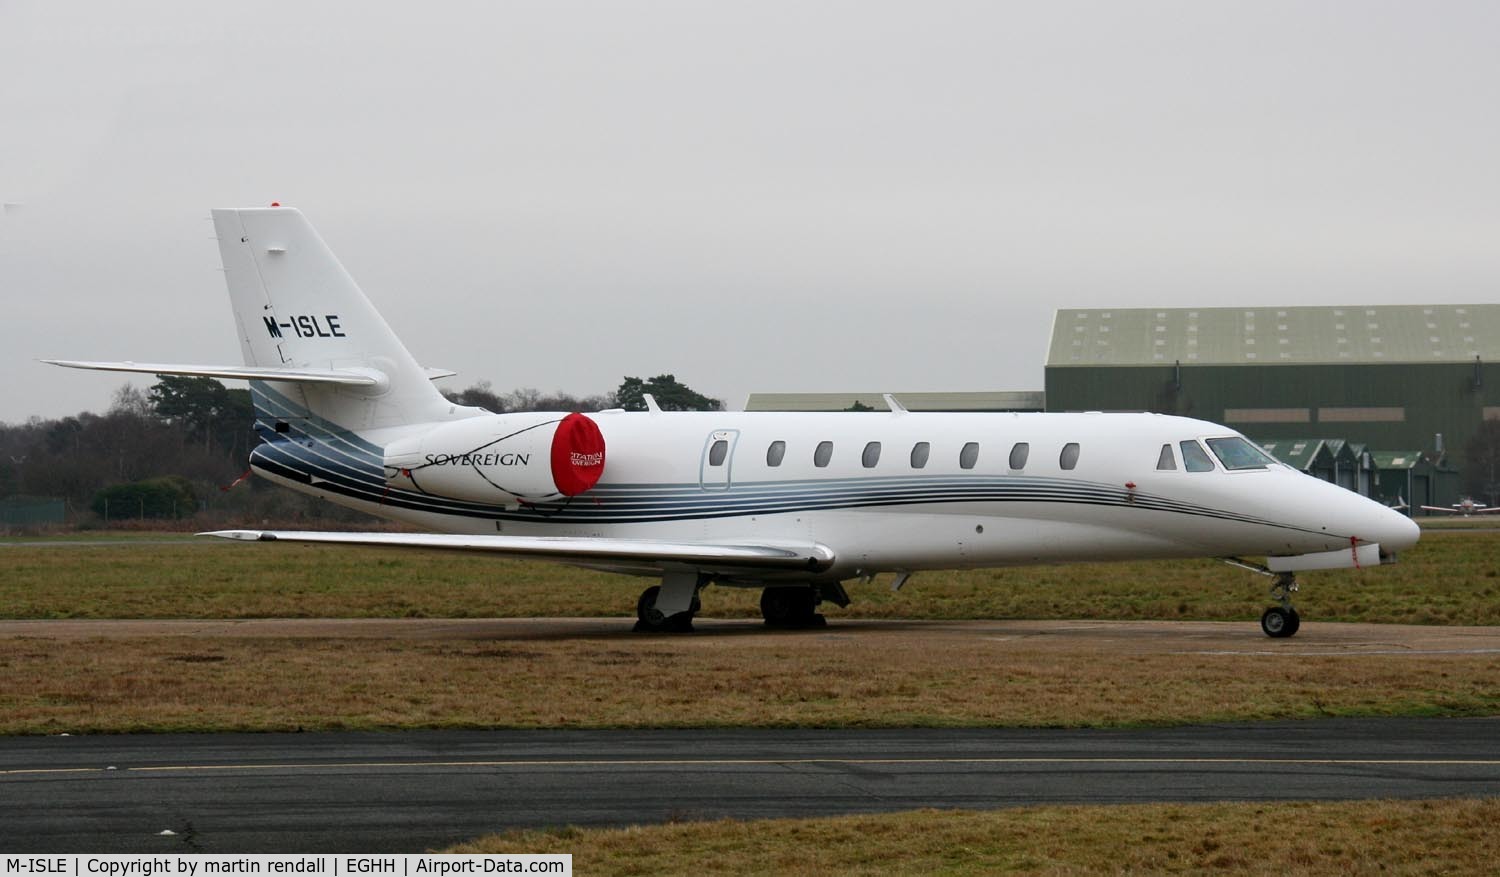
x=789 y=607
x=1278 y=622
x=648 y=617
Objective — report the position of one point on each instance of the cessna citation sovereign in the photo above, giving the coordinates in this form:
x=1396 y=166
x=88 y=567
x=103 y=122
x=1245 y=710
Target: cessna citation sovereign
x=793 y=504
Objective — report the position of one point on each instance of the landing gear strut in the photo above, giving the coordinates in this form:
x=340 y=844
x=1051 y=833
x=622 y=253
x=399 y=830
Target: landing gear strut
x=670 y=606
x=791 y=607
x=1281 y=621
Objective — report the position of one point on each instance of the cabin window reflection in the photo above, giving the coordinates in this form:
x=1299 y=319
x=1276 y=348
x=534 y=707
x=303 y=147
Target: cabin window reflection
x=823 y=454
x=775 y=452
x=1194 y=458
x=717 y=452
x=1018 y=454
x=871 y=456
x=919 y=454
x=969 y=455
x=1167 y=462
x=1069 y=456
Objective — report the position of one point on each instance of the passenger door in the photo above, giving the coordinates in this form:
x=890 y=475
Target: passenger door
x=718 y=459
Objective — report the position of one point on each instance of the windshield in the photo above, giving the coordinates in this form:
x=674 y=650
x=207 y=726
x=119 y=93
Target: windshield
x=1238 y=453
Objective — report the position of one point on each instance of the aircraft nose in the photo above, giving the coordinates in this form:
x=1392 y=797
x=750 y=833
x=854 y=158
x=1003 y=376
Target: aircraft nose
x=1393 y=530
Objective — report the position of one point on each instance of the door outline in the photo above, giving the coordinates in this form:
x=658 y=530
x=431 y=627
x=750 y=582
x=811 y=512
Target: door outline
x=717 y=477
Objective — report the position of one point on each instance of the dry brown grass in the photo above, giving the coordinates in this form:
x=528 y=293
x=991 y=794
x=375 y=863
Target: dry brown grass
x=898 y=679
x=1367 y=837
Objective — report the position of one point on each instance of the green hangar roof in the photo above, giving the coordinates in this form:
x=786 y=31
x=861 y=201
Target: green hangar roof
x=991 y=400
x=1275 y=336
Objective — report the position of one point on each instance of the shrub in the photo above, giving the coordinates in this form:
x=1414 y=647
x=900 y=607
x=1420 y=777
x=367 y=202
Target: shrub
x=169 y=497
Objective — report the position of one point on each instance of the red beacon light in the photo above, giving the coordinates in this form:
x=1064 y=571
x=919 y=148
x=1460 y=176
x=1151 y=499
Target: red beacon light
x=275 y=203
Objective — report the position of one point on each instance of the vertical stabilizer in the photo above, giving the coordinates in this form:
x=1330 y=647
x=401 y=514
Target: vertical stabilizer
x=296 y=306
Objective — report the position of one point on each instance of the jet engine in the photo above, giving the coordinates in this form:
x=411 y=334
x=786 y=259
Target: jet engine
x=500 y=458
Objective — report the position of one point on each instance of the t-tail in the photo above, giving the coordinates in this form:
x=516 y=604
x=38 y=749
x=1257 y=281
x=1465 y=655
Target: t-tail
x=314 y=347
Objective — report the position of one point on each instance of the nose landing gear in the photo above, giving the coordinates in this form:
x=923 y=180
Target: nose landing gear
x=1283 y=620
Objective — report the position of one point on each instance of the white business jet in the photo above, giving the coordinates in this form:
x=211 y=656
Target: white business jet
x=793 y=504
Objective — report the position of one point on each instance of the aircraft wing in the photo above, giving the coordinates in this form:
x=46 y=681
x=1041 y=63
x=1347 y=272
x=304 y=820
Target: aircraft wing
x=355 y=377
x=1438 y=508
x=778 y=556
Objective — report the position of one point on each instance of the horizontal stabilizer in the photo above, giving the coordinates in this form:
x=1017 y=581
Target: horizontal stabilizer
x=356 y=377
x=808 y=556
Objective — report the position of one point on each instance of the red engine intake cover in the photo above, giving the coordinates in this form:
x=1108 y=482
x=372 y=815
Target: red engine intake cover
x=577 y=455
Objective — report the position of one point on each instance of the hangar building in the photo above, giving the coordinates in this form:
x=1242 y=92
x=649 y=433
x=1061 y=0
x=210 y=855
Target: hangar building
x=1403 y=380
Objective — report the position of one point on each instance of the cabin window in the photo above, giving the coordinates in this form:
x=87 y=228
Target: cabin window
x=1194 y=458
x=1069 y=456
x=1167 y=462
x=969 y=455
x=871 y=456
x=823 y=454
x=775 y=452
x=717 y=452
x=919 y=453
x=1237 y=453
x=1018 y=454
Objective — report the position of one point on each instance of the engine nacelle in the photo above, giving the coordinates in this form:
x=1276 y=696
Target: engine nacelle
x=500 y=458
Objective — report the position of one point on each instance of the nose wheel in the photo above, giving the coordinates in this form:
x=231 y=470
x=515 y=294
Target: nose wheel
x=1278 y=622
x=1281 y=621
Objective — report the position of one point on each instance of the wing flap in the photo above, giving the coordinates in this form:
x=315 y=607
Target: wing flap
x=811 y=557
x=363 y=377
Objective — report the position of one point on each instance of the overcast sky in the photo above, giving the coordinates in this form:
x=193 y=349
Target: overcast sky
x=753 y=195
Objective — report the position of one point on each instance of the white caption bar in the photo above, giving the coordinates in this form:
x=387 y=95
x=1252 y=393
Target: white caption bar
x=351 y=865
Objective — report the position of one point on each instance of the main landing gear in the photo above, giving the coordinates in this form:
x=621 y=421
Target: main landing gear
x=1281 y=621
x=791 y=607
x=670 y=606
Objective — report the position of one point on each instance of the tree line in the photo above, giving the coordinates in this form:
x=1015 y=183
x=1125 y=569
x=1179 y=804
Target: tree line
x=171 y=450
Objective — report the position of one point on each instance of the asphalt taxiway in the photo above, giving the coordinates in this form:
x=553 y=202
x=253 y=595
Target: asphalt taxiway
x=410 y=791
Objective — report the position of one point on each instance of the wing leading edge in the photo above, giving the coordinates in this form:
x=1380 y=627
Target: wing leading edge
x=784 y=557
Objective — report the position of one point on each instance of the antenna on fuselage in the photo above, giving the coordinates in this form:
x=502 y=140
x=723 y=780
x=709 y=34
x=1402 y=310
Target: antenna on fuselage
x=891 y=403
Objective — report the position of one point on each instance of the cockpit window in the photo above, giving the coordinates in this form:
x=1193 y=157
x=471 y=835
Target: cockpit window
x=1166 y=462
x=1237 y=453
x=1194 y=458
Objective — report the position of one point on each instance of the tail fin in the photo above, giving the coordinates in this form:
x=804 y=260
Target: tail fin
x=295 y=307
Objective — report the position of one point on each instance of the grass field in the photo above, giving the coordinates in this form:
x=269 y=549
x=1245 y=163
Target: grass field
x=1367 y=837
x=787 y=679
x=1451 y=577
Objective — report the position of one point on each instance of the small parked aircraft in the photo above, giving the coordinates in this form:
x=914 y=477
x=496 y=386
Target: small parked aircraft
x=1466 y=507
x=793 y=504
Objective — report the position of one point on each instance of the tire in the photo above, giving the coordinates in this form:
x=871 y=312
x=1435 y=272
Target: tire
x=645 y=607
x=648 y=618
x=1279 y=623
x=789 y=607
